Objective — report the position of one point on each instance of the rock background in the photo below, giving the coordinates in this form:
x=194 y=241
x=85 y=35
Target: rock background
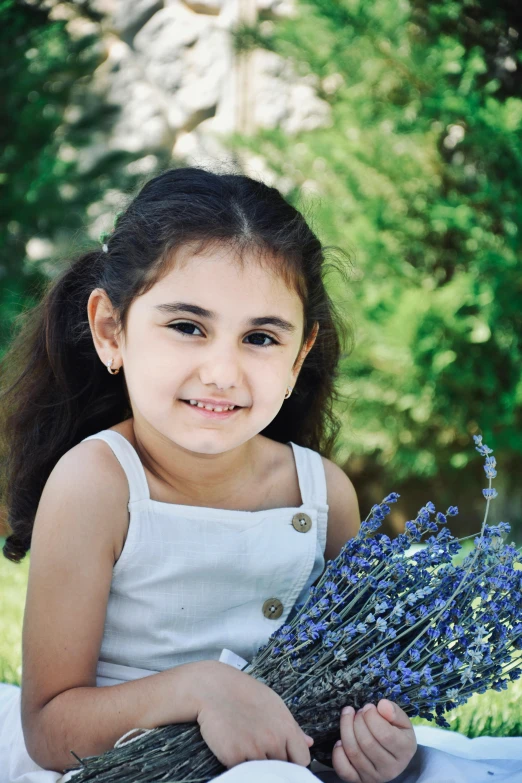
x=176 y=85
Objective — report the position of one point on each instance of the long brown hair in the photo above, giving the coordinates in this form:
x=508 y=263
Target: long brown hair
x=57 y=392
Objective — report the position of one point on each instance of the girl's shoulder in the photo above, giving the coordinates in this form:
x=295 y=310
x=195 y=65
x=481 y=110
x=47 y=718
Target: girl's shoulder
x=92 y=464
x=343 y=508
x=88 y=477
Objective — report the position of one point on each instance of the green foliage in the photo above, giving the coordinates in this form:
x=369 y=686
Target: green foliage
x=491 y=714
x=418 y=175
x=40 y=65
x=47 y=116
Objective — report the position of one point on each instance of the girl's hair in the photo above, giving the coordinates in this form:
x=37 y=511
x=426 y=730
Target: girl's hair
x=59 y=392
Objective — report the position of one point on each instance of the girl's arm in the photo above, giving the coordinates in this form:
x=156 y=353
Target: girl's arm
x=89 y=720
x=83 y=506
x=344 y=518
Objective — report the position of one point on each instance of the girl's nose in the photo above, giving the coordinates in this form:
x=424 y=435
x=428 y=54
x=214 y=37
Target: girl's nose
x=221 y=368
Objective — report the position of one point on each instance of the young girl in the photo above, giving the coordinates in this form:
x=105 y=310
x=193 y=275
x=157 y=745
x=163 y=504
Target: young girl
x=168 y=421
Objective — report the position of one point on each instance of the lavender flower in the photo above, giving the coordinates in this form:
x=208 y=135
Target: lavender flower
x=447 y=630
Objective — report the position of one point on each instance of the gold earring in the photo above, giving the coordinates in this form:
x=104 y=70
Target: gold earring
x=288 y=392
x=109 y=367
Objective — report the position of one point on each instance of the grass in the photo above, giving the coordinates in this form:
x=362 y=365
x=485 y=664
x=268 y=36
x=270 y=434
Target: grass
x=491 y=714
x=13 y=586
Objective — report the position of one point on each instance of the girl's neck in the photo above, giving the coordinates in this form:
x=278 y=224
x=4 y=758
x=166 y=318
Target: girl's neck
x=176 y=475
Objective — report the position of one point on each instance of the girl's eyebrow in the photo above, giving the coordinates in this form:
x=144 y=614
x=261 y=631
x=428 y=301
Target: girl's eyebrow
x=185 y=307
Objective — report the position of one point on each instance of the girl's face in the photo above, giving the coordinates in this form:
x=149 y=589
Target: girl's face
x=212 y=331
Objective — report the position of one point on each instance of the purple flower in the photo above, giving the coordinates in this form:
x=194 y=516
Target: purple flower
x=490 y=493
x=406 y=622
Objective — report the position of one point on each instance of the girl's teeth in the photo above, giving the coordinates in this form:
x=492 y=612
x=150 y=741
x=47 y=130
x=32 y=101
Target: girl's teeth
x=218 y=409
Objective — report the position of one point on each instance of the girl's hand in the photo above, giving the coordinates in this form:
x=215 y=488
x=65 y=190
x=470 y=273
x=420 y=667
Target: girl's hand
x=241 y=719
x=376 y=744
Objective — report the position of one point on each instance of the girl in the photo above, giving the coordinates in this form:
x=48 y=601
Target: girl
x=168 y=419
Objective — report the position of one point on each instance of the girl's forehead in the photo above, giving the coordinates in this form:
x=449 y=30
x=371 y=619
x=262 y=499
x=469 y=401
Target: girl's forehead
x=219 y=278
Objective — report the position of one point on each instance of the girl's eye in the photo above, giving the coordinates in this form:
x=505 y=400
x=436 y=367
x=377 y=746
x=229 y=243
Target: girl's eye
x=263 y=337
x=187 y=328
x=180 y=324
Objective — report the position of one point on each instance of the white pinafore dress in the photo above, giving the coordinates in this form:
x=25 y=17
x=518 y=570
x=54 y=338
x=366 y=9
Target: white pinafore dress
x=191 y=582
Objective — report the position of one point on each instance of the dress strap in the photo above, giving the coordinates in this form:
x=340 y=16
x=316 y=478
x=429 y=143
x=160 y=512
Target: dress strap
x=128 y=458
x=311 y=476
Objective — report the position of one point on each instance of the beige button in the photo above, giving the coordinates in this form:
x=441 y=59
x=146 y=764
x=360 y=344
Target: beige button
x=273 y=608
x=301 y=522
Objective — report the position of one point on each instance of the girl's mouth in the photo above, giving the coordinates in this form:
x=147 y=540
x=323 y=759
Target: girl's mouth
x=216 y=413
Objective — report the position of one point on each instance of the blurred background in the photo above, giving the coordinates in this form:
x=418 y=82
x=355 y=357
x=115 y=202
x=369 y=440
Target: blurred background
x=395 y=125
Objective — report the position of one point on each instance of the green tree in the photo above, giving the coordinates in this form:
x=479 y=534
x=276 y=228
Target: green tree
x=419 y=176
x=40 y=64
x=48 y=113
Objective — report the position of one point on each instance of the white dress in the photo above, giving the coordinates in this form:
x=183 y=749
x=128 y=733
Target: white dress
x=191 y=582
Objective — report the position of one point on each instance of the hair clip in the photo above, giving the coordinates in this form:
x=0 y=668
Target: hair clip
x=103 y=239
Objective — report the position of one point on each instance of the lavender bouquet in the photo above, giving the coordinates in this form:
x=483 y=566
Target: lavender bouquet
x=388 y=619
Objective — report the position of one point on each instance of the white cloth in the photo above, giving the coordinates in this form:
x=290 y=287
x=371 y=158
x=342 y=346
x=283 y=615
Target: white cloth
x=191 y=581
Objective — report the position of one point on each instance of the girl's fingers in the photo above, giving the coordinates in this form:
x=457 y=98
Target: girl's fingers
x=382 y=732
x=369 y=741
x=351 y=746
x=342 y=765
x=296 y=752
x=400 y=743
x=394 y=714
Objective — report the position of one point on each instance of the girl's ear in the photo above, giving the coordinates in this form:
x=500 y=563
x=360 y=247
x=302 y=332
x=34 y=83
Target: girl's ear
x=104 y=327
x=307 y=347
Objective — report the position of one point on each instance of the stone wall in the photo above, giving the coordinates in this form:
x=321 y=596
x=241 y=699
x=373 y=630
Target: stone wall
x=177 y=84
